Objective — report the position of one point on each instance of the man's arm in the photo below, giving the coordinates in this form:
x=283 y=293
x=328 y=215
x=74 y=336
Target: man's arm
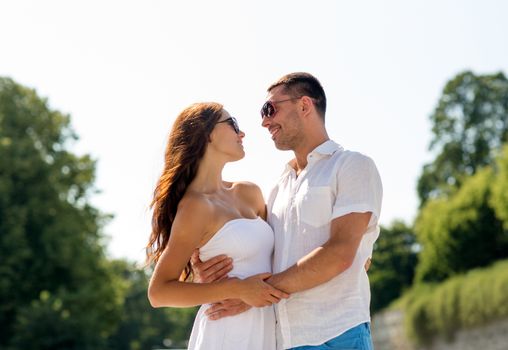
x=215 y=269
x=212 y=270
x=319 y=266
x=328 y=260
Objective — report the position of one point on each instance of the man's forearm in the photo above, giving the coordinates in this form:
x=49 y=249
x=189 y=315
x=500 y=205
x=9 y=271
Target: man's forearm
x=317 y=267
x=327 y=261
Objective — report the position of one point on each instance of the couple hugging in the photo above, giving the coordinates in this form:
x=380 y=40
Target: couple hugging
x=288 y=274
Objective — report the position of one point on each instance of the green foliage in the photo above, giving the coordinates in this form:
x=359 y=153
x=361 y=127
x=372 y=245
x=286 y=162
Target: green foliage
x=461 y=232
x=463 y=220
x=469 y=125
x=54 y=275
x=143 y=327
x=499 y=199
x=57 y=289
x=393 y=264
x=417 y=323
x=464 y=301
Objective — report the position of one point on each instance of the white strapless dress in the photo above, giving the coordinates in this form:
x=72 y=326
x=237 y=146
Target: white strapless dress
x=249 y=242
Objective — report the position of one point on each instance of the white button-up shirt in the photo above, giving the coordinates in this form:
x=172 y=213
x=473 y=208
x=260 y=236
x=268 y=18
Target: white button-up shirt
x=334 y=183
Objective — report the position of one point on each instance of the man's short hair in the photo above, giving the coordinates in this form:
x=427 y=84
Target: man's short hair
x=303 y=84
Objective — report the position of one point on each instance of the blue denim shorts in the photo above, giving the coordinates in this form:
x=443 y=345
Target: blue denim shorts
x=356 y=338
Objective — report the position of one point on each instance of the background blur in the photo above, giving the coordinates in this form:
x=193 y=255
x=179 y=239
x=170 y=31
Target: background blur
x=89 y=91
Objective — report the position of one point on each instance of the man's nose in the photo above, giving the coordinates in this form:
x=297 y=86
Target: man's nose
x=265 y=122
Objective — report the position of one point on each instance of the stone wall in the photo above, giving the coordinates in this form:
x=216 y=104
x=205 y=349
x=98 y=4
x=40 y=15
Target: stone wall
x=388 y=334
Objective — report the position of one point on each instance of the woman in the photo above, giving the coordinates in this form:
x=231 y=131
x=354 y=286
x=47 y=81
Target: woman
x=194 y=208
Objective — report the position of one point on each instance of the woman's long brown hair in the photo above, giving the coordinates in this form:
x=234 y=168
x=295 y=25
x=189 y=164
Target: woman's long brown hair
x=186 y=146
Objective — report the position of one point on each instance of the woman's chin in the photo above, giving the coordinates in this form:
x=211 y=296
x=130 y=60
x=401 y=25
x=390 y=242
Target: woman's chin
x=241 y=155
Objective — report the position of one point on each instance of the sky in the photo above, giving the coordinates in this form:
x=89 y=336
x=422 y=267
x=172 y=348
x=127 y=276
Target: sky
x=123 y=70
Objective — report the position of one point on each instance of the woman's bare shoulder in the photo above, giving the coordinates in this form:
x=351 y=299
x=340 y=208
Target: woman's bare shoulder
x=246 y=186
x=194 y=211
x=250 y=193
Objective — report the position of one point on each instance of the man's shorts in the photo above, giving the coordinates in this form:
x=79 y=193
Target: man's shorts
x=356 y=338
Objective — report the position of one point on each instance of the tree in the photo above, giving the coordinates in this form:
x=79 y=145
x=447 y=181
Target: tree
x=143 y=327
x=500 y=189
x=461 y=232
x=393 y=264
x=469 y=124
x=57 y=290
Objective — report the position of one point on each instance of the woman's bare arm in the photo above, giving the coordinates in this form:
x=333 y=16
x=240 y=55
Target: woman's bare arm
x=165 y=289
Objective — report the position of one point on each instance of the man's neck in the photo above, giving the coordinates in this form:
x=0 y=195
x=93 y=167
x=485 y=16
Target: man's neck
x=300 y=161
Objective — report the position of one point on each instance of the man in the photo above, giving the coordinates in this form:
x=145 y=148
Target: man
x=324 y=212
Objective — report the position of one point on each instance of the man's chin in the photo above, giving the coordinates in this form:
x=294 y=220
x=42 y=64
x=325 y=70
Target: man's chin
x=282 y=147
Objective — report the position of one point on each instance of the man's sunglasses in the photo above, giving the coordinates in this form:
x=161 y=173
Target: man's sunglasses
x=268 y=110
x=231 y=121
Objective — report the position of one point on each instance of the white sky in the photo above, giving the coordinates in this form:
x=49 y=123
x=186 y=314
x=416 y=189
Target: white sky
x=124 y=69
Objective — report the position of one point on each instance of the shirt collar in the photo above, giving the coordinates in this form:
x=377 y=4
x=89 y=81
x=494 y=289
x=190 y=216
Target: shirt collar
x=327 y=148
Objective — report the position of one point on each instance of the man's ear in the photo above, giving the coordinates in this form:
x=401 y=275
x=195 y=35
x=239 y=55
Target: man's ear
x=307 y=104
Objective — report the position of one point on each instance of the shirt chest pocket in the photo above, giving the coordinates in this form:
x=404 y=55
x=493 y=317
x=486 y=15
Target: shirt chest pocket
x=315 y=206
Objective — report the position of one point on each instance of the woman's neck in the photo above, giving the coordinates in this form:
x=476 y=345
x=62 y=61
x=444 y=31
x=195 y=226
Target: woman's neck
x=208 y=178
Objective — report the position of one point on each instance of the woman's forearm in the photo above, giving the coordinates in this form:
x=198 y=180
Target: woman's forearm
x=253 y=290
x=185 y=294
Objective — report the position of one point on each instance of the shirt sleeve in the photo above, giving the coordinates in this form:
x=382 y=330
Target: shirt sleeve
x=359 y=188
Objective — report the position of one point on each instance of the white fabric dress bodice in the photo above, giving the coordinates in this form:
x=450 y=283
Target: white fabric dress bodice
x=249 y=242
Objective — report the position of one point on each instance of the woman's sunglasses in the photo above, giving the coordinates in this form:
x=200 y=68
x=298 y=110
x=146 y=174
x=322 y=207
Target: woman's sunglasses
x=268 y=110
x=231 y=121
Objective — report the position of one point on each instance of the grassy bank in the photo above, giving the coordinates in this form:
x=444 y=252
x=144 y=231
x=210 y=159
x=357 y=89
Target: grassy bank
x=472 y=299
